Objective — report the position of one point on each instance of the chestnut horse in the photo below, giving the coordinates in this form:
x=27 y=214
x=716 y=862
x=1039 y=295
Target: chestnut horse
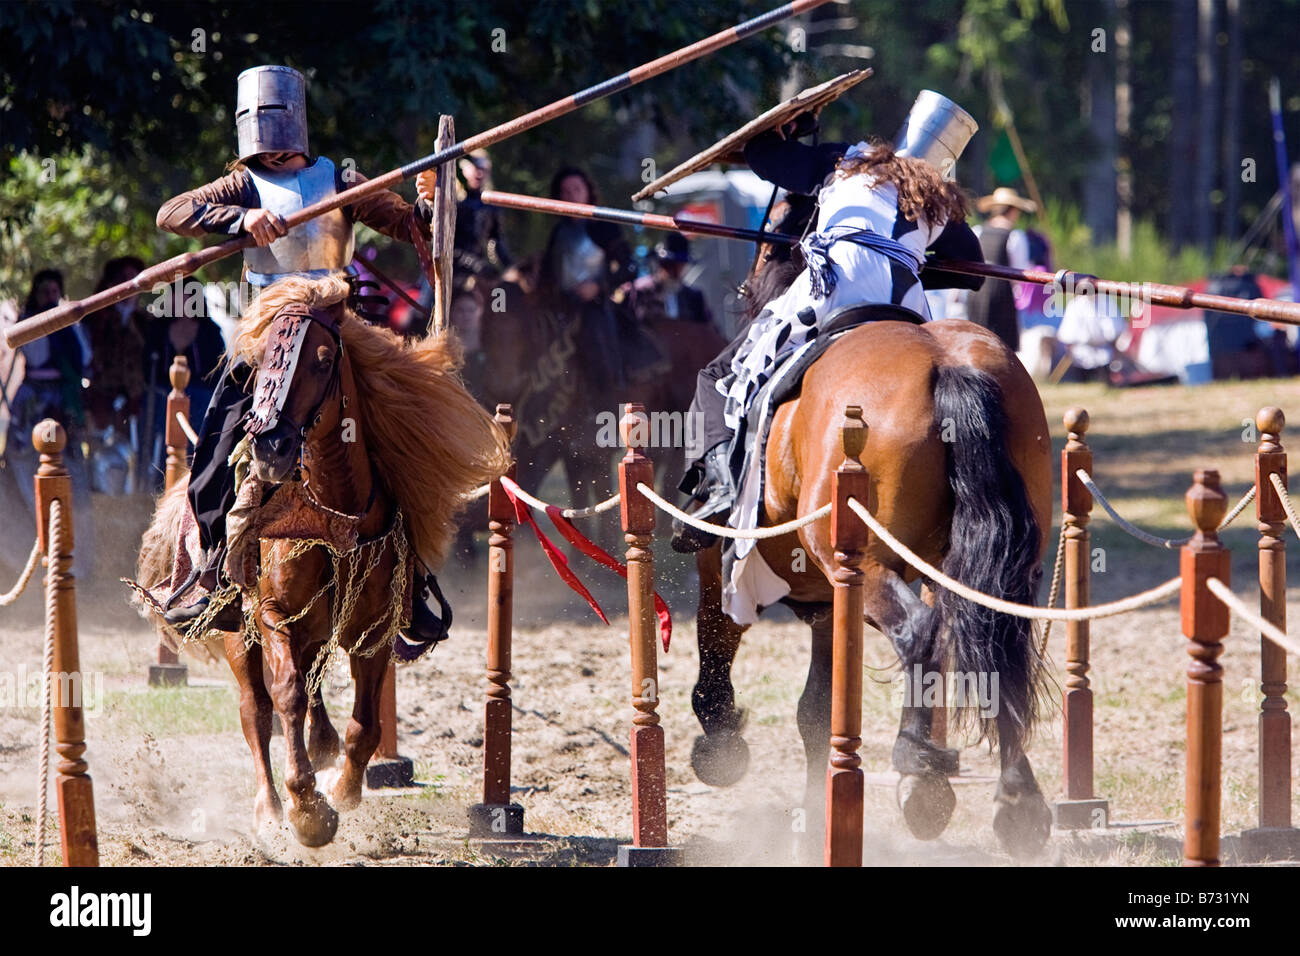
x=959 y=457
x=362 y=451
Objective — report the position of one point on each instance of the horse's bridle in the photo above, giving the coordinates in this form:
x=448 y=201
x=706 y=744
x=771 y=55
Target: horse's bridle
x=283 y=366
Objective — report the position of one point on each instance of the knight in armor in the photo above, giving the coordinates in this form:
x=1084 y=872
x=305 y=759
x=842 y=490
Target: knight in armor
x=585 y=261
x=480 y=254
x=665 y=293
x=274 y=177
x=880 y=209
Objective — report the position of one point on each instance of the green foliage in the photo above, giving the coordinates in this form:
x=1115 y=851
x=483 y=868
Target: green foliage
x=1152 y=259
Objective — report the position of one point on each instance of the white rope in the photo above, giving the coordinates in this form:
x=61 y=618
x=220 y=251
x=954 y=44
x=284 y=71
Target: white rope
x=540 y=505
x=187 y=428
x=32 y=560
x=53 y=550
x=1152 y=596
x=1169 y=544
x=1058 y=566
x=1266 y=628
x=478 y=492
x=1282 y=495
x=724 y=532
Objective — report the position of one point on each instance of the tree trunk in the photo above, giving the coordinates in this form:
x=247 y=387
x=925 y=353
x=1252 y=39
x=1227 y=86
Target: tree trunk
x=1099 y=197
x=1207 y=112
x=1123 y=128
x=1183 y=121
x=1232 y=122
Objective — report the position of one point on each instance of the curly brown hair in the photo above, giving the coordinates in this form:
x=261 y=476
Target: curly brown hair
x=922 y=190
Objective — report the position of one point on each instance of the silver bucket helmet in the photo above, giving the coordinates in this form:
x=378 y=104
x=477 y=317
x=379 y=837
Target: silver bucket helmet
x=936 y=130
x=271 y=111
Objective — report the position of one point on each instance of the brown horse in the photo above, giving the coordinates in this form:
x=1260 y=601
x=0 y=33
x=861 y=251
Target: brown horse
x=533 y=349
x=362 y=452
x=959 y=456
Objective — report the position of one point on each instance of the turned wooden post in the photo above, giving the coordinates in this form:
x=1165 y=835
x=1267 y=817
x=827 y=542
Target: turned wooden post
x=849 y=537
x=496 y=815
x=167 y=669
x=388 y=768
x=178 y=403
x=1205 y=624
x=1080 y=808
x=67 y=682
x=1275 y=837
x=649 y=786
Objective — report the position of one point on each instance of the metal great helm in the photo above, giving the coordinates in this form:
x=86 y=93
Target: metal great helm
x=271 y=111
x=936 y=130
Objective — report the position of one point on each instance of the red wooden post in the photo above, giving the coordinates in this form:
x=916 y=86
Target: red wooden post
x=167 y=670
x=1080 y=808
x=388 y=768
x=1275 y=837
x=67 y=682
x=1205 y=624
x=849 y=537
x=649 y=779
x=496 y=815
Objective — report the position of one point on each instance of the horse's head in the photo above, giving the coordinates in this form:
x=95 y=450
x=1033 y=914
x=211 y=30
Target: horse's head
x=297 y=388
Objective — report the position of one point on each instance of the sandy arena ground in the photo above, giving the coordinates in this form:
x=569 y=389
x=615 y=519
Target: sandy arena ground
x=173 y=777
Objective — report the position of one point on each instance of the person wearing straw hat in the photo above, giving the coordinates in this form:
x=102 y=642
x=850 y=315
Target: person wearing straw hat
x=994 y=306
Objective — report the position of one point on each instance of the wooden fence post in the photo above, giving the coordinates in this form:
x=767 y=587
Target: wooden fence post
x=1275 y=837
x=649 y=845
x=1081 y=808
x=849 y=538
x=167 y=669
x=1205 y=622
x=496 y=815
x=67 y=682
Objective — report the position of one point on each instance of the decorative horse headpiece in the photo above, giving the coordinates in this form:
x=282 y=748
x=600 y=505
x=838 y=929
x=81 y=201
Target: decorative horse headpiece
x=284 y=343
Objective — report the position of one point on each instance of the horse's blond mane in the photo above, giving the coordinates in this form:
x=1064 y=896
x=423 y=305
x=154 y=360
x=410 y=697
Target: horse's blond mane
x=431 y=443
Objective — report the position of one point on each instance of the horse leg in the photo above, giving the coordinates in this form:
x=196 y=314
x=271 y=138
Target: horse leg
x=362 y=735
x=814 y=721
x=720 y=757
x=1022 y=820
x=322 y=738
x=314 y=820
x=924 y=794
x=255 y=717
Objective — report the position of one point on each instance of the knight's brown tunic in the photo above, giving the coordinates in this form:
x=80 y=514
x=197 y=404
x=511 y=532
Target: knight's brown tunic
x=220 y=206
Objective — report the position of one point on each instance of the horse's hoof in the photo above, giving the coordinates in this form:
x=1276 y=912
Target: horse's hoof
x=267 y=814
x=1022 y=824
x=314 y=821
x=720 y=759
x=927 y=802
x=345 y=798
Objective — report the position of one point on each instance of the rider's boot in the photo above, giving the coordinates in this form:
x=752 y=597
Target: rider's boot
x=229 y=618
x=713 y=496
x=425 y=629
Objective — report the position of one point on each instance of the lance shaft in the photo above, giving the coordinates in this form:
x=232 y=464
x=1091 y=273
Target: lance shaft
x=64 y=315
x=1177 y=297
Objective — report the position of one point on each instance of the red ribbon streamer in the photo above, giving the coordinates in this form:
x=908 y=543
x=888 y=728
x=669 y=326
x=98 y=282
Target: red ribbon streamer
x=558 y=561
x=587 y=547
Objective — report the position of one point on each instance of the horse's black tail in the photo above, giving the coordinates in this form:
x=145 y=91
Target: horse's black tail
x=994 y=548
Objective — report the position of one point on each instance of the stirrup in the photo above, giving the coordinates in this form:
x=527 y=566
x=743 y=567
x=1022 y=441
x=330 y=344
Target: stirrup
x=425 y=630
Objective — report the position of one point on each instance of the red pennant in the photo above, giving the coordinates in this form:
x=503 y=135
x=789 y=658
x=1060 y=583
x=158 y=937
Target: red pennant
x=558 y=561
x=601 y=556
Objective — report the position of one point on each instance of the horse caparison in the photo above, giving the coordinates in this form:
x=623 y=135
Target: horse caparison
x=959 y=455
x=384 y=435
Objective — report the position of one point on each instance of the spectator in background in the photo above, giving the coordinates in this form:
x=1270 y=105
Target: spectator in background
x=994 y=305
x=480 y=255
x=117 y=344
x=53 y=383
x=1236 y=351
x=664 y=293
x=1089 y=330
x=175 y=330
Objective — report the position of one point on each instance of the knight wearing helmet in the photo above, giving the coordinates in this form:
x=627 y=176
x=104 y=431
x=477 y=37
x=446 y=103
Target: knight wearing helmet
x=274 y=177
x=880 y=209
